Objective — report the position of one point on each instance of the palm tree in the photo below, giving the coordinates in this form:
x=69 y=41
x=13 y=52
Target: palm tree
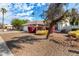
x=3 y=10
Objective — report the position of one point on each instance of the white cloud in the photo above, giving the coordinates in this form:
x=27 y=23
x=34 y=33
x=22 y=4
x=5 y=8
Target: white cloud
x=29 y=18
x=43 y=3
x=6 y=6
x=23 y=6
x=29 y=12
x=25 y=13
x=18 y=6
x=21 y=14
x=27 y=7
x=39 y=4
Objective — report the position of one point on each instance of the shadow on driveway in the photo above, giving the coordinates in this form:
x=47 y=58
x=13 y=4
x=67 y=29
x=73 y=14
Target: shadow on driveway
x=16 y=41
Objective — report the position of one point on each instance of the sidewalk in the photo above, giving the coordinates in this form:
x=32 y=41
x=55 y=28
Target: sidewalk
x=4 y=50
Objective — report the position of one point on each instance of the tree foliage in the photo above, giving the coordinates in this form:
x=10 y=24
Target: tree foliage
x=54 y=11
x=17 y=23
x=54 y=14
x=74 y=16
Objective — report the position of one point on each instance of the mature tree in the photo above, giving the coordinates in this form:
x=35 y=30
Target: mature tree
x=17 y=23
x=54 y=14
x=3 y=10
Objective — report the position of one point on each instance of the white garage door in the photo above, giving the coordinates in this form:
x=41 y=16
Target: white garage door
x=25 y=28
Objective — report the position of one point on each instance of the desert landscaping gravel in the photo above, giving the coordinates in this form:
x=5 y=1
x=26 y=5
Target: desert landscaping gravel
x=25 y=44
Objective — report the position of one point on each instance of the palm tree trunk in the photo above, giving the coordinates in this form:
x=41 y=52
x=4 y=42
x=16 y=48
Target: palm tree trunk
x=3 y=22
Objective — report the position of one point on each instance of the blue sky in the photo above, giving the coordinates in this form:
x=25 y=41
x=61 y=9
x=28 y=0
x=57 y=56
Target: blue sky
x=24 y=10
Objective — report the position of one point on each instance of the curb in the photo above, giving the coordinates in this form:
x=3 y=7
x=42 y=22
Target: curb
x=5 y=51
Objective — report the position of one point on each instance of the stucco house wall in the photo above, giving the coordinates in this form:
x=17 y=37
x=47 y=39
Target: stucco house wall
x=63 y=24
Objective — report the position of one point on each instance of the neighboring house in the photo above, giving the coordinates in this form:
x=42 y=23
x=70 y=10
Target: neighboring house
x=25 y=27
x=8 y=26
x=36 y=23
x=63 y=24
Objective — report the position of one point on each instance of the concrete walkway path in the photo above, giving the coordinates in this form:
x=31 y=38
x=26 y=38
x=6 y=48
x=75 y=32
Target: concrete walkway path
x=4 y=50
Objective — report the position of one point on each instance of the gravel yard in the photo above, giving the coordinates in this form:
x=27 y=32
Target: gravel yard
x=25 y=44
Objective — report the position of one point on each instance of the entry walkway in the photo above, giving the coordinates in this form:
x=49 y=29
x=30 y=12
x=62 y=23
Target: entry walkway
x=4 y=50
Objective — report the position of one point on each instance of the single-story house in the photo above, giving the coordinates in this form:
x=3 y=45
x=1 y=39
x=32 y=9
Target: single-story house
x=8 y=27
x=59 y=26
x=63 y=24
x=32 y=23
